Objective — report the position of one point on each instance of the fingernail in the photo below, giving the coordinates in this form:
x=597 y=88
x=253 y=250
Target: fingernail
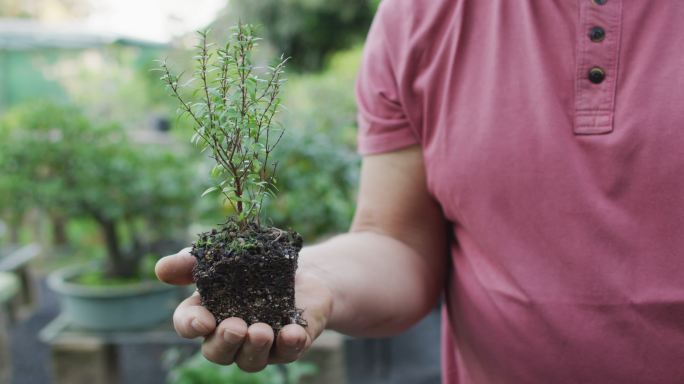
x=261 y=346
x=199 y=326
x=231 y=338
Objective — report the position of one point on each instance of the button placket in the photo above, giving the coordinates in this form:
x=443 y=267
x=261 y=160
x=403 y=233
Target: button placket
x=597 y=65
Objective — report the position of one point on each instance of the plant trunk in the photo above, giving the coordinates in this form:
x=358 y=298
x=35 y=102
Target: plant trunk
x=14 y=227
x=118 y=265
x=59 y=236
x=137 y=248
x=13 y=230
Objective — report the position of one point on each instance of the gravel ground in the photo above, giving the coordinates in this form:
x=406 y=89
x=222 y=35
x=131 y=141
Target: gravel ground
x=30 y=357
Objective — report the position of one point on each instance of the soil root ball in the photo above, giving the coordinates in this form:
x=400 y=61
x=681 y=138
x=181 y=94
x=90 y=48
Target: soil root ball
x=248 y=272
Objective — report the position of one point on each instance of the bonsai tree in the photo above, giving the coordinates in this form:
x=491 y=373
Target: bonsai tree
x=133 y=193
x=56 y=160
x=14 y=198
x=38 y=140
x=244 y=268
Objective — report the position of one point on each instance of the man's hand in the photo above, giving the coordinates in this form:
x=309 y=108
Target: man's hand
x=251 y=347
x=377 y=280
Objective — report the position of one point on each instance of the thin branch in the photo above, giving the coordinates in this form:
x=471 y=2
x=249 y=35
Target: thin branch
x=204 y=58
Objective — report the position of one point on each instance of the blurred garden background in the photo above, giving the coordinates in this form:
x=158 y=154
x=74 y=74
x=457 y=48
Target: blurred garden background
x=97 y=171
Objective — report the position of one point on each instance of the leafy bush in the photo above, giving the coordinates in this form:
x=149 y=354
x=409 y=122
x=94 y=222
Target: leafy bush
x=307 y=30
x=318 y=164
x=55 y=159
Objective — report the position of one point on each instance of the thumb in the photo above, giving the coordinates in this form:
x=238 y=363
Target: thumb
x=176 y=269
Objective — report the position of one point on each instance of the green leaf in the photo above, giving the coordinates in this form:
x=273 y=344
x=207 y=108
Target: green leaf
x=209 y=190
x=251 y=86
x=217 y=170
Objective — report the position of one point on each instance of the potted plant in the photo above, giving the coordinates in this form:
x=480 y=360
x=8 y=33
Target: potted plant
x=244 y=268
x=133 y=194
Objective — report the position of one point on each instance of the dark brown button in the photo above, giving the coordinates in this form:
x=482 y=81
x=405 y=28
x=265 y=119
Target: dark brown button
x=600 y=2
x=596 y=75
x=597 y=34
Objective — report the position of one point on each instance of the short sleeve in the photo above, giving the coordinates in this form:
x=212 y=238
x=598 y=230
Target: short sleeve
x=383 y=125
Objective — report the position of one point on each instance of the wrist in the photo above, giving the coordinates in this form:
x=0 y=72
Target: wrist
x=313 y=280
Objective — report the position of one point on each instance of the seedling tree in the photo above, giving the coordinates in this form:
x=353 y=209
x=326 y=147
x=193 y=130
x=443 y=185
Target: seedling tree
x=243 y=269
x=234 y=118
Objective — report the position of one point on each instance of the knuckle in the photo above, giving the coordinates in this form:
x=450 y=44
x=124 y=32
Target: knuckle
x=260 y=340
x=232 y=338
x=182 y=324
x=215 y=356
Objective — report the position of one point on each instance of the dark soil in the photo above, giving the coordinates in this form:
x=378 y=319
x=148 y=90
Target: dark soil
x=248 y=272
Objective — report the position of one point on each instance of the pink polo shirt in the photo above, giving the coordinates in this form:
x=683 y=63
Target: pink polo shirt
x=553 y=138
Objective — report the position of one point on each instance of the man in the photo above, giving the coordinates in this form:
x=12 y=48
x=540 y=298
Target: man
x=524 y=158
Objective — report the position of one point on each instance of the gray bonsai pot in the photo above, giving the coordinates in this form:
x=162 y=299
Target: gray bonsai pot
x=110 y=308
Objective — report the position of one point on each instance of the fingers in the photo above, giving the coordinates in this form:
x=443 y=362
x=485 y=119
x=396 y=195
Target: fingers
x=223 y=345
x=192 y=320
x=176 y=269
x=253 y=347
x=234 y=342
x=253 y=356
x=291 y=342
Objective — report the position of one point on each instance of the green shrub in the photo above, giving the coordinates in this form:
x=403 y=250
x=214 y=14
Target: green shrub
x=307 y=30
x=57 y=160
x=318 y=163
x=197 y=370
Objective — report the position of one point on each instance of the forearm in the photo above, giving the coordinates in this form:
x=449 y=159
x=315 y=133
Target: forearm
x=379 y=285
